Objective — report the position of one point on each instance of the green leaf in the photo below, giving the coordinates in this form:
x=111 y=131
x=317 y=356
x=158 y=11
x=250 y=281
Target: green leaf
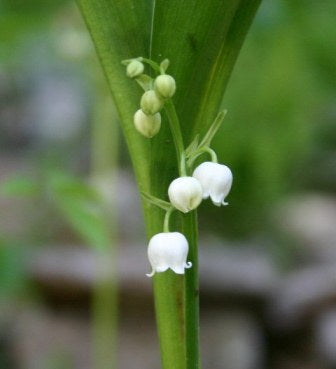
x=165 y=205
x=20 y=186
x=121 y=30
x=206 y=141
x=82 y=207
x=13 y=277
x=193 y=146
x=164 y=65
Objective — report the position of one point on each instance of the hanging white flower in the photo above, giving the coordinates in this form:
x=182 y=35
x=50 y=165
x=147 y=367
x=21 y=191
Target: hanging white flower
x=147 y=125
x=216 y=181
x=185 y=193
x=168 y=250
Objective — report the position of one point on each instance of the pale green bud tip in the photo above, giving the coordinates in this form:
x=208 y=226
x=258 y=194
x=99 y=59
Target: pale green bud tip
x=147 y=125
x=151 y=103
x=165 y=85
x=134 y=68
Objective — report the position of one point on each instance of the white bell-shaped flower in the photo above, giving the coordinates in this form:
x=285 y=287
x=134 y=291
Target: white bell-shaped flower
x=185 y=193
x=147 y=125
x=168 y=250
x=216 y=181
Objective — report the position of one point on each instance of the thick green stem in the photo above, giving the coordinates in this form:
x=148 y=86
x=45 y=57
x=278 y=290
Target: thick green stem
x=189 y=229
x=169 y=307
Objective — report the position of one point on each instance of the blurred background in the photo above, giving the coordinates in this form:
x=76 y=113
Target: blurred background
x=72 y=246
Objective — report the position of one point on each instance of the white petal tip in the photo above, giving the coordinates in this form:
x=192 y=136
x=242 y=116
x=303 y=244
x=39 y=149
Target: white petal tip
x=150 y=275
x=225 y=203
x=178 y=271
x=188 y=265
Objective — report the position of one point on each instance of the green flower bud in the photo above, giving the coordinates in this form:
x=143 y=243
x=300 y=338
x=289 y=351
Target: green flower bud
x=134 y=68
x=165 y=85
x=151 y=103
x=147 y=125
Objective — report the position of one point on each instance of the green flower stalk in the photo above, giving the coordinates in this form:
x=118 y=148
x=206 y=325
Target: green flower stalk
x=169 y=250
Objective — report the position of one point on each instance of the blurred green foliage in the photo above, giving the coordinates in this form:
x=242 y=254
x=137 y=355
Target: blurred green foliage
x=12 y=271
x=282 y=86
x=82 y=207
x=78 y=202
x=20 y=19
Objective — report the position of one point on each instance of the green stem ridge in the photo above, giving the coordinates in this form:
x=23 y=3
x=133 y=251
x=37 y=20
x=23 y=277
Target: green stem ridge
x=177 y=135
x=191 y=307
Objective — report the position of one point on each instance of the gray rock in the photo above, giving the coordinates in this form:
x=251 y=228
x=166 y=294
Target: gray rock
x=301 y=295
x=325 y=336
x=311 y=220
x=41 y=339
x=231 y=340
x=244 y=271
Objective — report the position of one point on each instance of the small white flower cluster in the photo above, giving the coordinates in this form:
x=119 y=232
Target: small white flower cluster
x=209 y=179
x=147 y=120
x=170 y=249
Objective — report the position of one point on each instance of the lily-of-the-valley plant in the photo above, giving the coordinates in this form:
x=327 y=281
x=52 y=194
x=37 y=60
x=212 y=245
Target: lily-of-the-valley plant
x=169 y=250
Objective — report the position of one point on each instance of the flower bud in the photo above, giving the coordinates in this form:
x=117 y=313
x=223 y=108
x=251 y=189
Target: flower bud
x=168 y=250
x=165 y=85
x=151 y=103
x=216 y=181
x=134 y=68
x=185 y=193
x=147 y=125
